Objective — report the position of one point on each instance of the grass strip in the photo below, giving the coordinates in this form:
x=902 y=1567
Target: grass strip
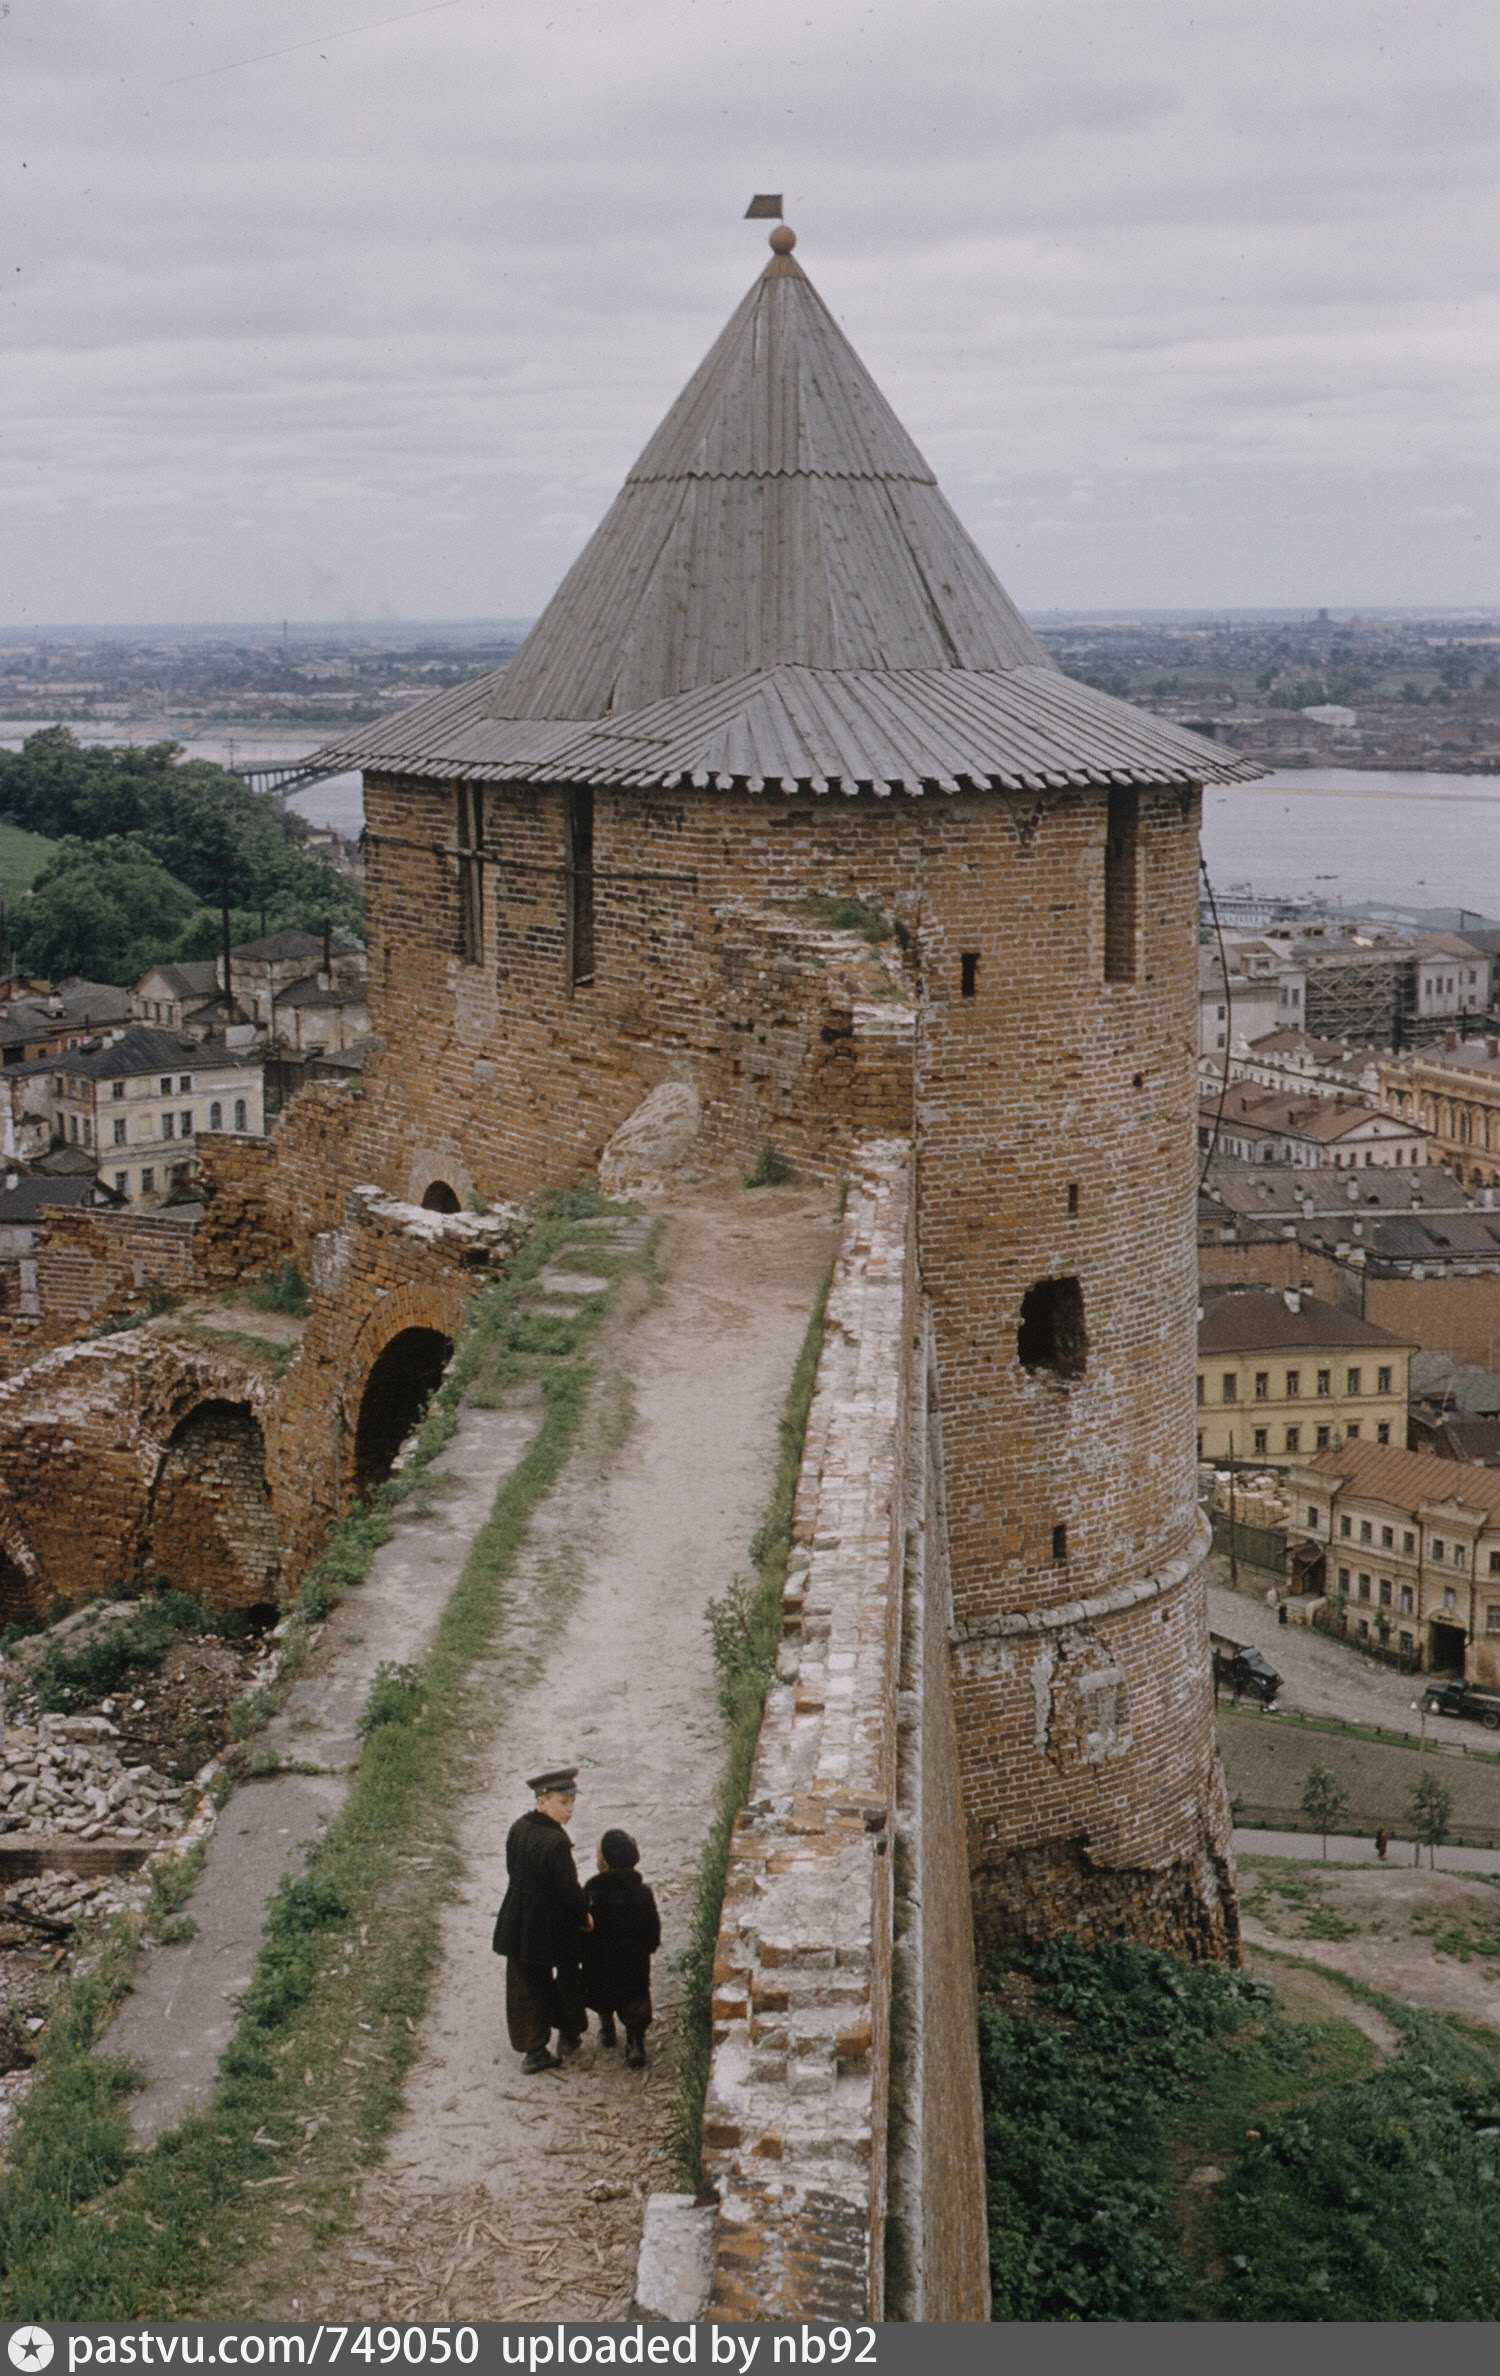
x=745 y=1623
x=312 y=2078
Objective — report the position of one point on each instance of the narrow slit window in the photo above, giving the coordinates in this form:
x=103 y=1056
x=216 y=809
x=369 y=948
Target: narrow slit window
x=470 y=874
x=580 y=889
x=968 y=973
x=1059 y=1542
x=1121 y=887
x=1072 y=1196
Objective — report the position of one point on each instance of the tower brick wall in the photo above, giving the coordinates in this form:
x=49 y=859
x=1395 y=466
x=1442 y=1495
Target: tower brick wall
x=1038 y=1040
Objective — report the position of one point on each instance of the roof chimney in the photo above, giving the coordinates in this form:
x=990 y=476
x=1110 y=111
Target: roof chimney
x=1292 y=1298
x=1351 y=1190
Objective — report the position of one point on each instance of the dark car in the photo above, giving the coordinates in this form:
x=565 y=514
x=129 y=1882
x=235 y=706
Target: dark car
x=1462 y=1699
x=1248 y=1673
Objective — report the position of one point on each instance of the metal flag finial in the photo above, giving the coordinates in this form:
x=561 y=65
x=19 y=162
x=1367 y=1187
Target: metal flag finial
x=764 y=207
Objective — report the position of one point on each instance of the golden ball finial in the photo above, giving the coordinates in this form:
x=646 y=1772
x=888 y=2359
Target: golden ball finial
x=783 y=239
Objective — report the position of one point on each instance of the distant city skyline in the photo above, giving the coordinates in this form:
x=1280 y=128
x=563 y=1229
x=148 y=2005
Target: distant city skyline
x=361 y=324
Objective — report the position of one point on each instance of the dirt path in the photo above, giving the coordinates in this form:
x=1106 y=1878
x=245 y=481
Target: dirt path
x=1429 y=1939
x=501 y=2195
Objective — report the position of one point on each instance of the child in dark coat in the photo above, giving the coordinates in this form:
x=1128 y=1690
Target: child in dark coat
x=617 y=1951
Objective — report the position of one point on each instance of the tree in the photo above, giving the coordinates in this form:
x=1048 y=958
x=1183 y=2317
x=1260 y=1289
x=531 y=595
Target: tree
x=1431 y=1808
x=103 y=909
x=1323 y=1801
x=202 y=824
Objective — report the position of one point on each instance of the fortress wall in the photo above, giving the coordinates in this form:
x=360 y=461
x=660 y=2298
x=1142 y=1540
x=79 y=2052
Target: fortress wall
x=266 y=1200
x=503 y=1079
x=95 y=1263
x=796 y=2110
x=854 y=1756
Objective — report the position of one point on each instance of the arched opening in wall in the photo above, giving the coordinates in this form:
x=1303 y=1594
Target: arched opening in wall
x=209 y=1528
x=440 y=1198
x=20 y=1602
x=396 y=1394
x=1052 y=1335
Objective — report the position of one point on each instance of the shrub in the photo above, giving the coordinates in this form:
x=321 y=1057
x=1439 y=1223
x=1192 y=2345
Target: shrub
x=280 y=1290
x=770 y=1170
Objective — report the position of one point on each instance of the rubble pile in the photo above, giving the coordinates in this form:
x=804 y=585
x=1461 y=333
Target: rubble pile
x=66 y=1776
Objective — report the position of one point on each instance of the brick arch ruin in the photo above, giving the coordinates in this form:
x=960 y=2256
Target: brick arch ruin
x=209 y=1526
x=397 y=1358
x=132 y=1457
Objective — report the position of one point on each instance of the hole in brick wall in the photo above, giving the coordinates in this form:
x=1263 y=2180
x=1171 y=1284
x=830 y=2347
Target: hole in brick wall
x=1059 y=1542
x=18 y=1601
x=210 y=1531
x=1051 y=1335
x=968 y=972
x=1137 y=1080
x=396 y=1394
x=1072 y=1196
x=440 y=1198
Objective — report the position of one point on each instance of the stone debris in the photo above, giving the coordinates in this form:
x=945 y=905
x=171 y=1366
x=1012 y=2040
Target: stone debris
x=653 y=1142
x=66 y=1776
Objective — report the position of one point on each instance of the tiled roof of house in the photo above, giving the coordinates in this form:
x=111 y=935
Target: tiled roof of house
x=1380 y=1472
x=1261 y=1319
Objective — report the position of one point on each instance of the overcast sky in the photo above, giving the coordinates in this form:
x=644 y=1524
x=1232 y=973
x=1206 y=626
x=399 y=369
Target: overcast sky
x=324 y=309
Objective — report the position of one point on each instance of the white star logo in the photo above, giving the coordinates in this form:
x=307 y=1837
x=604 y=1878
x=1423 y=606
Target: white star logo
x=31 y=2347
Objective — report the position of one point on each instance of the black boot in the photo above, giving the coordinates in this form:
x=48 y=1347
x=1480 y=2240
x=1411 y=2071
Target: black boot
x=539 y=2059
x=635 y=2050
x=608 y=2034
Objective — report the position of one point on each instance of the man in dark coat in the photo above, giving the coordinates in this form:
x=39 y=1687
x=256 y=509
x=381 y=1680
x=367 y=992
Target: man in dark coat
x=539 y=1928
x=624 y=1933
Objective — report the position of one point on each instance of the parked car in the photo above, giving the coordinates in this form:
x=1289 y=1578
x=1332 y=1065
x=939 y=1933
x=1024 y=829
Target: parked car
x=1248 y=1673
x=1464 y=1699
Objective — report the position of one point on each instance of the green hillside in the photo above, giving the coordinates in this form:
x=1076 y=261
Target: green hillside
x=22 y=857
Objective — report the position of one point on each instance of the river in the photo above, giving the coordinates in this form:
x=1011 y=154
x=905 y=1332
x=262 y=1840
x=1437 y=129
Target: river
x=1350 y=835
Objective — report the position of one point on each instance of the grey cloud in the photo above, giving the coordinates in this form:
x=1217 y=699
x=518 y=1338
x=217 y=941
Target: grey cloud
x=1184 y=303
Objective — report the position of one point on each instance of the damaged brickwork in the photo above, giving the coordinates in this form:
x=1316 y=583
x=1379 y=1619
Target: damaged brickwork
x=186 y=1449
x=135 y=1457
x=797 y=2113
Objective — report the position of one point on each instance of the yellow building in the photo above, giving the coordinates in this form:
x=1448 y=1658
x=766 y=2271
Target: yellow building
x=1451 y=1089
x=1407 y=1546
x=1282 y=1375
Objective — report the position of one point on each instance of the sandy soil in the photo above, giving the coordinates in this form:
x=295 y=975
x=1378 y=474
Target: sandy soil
x=1409 y=1935
x=502 y=2195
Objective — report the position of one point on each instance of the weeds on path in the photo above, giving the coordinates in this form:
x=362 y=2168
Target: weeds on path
x=312 y=2078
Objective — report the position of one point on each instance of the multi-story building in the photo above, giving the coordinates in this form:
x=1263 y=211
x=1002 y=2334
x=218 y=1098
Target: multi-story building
x=263 y=971
x=1407 y=1546
x=39 y=1024
x=171 y=996
x=1295 y=1063
x=1313 y=1133
x=1452 y=1091
x=1257 y=995
x=1282 y=1374
x=140 y=1102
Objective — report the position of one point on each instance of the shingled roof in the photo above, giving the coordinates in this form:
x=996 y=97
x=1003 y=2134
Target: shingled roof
x=780 y=596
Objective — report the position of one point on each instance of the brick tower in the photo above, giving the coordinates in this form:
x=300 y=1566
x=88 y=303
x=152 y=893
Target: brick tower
x=781 y=672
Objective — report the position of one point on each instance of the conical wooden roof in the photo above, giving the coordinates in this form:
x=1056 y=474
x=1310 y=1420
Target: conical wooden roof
x=780 y=516
x=781 y=595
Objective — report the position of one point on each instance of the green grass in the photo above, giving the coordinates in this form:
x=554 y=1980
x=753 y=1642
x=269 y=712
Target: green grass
x=745 y=1627
x=282 y=1289
x=769 y=1170
x=1162 y=2142
x=312 y=2078
x=1387 y=1739
x=22 y=857
x=71 y=1675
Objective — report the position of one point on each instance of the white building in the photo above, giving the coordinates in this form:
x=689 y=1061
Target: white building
x=140 y=1103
